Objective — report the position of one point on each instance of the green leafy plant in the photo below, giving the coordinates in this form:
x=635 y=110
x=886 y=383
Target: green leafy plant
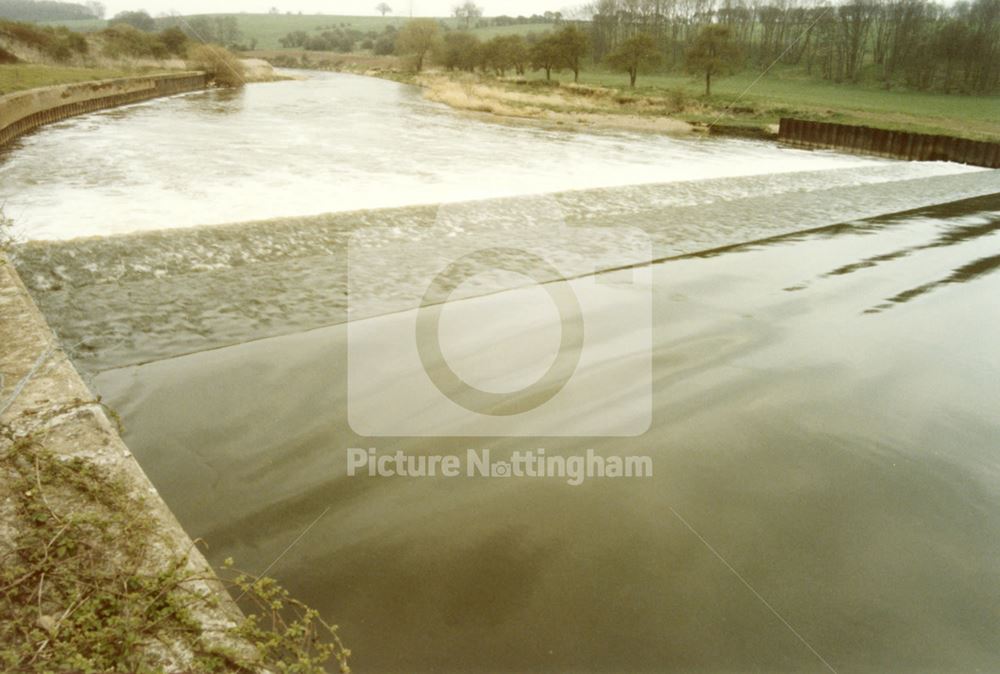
x=87 y=583
x=7 y=237
x=60 y=44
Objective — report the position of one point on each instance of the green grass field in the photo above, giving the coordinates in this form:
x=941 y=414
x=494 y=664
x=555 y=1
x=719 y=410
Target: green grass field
x=788 y=94
x=523 y=29
x=267 y=29
x=28 y=76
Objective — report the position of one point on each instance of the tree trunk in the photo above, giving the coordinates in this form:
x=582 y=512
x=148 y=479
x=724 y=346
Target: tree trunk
x=548 y=74
x=632 y=75
x=708 y=83
x=576 y=75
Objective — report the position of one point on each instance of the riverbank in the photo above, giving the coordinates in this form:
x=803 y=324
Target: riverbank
x=542 y=104
x=670 y=103
x=25 y=111
x=34 y=56
x=24 y=76
x=565 y=106
x=27 y=76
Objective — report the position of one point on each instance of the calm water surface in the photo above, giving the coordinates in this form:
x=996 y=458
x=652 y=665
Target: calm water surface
x=824 y=417
x=825 y=432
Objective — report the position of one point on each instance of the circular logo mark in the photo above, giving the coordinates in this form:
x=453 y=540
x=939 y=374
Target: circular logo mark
x=475 y=399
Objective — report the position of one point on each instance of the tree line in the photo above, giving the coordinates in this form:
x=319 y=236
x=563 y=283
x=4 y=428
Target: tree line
x=712 y=53
x=49 y=10
x=917 y=43
x=424 y=39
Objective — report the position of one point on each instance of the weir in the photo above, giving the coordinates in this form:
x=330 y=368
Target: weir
x=182 y=303
x=148 y=296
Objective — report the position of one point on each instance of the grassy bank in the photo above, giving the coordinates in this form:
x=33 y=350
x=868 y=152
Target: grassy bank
x=786 y=94
x=30 y=76
x=675 y=103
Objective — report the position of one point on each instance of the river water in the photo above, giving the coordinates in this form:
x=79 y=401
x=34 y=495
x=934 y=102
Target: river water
x=819 y=406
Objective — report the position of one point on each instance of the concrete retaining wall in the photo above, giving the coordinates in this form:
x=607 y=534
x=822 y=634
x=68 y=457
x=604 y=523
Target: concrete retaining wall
x=25 y=111
x=886 y=143
x=42 y=395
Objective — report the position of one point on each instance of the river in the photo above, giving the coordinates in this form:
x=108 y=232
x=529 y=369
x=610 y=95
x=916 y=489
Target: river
x=817 y=388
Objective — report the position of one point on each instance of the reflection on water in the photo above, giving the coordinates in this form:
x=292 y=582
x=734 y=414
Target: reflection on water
x=844 y=465
x=967 y=272
x=949 y=231
x=951 y=237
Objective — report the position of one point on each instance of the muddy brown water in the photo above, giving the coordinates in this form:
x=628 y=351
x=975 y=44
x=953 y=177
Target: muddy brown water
x=824 y=430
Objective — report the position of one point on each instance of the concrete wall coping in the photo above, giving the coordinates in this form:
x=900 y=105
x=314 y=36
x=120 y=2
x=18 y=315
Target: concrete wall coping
x=90 y=84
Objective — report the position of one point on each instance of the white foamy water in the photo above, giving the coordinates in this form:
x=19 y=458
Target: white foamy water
x=339 y=142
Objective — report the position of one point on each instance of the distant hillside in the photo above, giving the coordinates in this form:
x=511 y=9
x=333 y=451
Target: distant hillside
x=265 y=31
x=44 y=10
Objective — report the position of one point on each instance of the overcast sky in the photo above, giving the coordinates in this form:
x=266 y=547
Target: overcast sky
x=350 y=7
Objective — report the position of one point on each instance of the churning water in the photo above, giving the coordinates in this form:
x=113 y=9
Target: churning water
x=339 y=143
x=824 y=402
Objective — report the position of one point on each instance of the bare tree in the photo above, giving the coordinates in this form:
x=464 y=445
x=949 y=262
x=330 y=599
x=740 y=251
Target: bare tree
x=573 y=46
x=545 y=55
x=416 y=39
x=468 y=11
x=97 y=9
x=713 y=53
x=634 y=54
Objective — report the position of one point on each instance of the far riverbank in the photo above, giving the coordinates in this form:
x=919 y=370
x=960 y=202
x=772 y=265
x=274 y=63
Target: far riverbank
x=672 y=103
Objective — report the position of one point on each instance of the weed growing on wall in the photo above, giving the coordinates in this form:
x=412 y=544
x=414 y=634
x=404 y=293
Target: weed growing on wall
x=85 y=586
x=7 y=238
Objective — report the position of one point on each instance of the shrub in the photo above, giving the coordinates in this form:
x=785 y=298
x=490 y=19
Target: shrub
x=7 y=57
x=221 y=65
x=76 y=42
x=460 y=51
x=141 y=20
x=334 y=39
x=385 y=45
x=7 y=238
x=59 y=44
x=124 y=40
x=677 y=99
x=174 y=40
x=87 y=586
